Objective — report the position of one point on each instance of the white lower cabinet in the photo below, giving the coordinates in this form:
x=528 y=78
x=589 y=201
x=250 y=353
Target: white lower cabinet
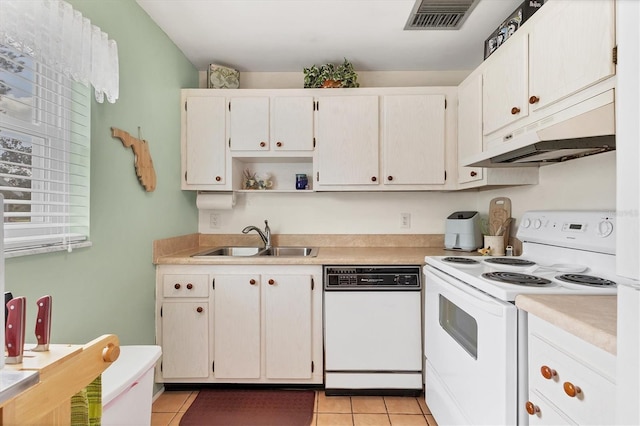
x=570 y=381
x=256 y=324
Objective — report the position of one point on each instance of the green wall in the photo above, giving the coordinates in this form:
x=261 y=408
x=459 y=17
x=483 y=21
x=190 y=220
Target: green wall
x=109 y=287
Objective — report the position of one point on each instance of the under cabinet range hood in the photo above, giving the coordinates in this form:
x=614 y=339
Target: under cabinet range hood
x=560 y=137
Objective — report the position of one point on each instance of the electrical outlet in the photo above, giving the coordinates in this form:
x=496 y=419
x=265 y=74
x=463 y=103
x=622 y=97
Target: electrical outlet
x=214 y=220
x=405 y=220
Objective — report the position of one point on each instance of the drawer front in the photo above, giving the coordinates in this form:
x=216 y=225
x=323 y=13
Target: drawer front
x=185 y=285
x=544 y=413
x=593 y=404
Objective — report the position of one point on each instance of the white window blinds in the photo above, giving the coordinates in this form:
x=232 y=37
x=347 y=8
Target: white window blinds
x=44 y=154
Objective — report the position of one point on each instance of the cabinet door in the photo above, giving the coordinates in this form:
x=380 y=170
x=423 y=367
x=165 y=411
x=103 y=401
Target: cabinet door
x=292 y=123
x=505 y=86
x=205 y=141
x=571 y=49
x=347 y=138
x=414 y=139
x=288 y=332
x=249 y=123
x=469 y=127
x=185 y=341
x=237 y=327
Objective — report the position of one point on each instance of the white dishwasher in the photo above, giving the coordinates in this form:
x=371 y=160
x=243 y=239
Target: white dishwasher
x=372 y=330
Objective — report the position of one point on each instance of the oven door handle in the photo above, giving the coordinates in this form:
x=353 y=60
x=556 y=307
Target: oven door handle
x=469 y=295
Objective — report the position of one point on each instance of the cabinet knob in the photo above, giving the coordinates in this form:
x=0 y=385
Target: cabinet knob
x=531 y=408
x=176 y=286
x=373 y=178
x=278 y=144
x=571 y=389
x=218 y=178
x=252 y=281
x=199 y=309
x=271 y=282
x=389 y=178
x=189 y=286
x=547 y=372
x=263 y=144
x=473 y=174
x=534 y=100
x=515 y=110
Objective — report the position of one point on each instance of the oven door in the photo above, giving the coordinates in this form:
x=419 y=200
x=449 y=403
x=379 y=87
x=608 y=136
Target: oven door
x=471 y=353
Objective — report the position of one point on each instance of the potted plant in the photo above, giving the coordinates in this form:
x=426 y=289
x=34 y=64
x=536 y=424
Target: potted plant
x=331 y=75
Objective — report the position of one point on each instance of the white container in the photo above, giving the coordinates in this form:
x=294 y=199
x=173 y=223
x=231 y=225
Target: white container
x=127 y=386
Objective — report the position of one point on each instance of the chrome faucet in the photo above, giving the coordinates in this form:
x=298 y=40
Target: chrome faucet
x=264 y=236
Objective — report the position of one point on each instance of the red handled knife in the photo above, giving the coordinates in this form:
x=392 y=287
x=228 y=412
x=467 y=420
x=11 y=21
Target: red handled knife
x=14 y=330
x=43 y=324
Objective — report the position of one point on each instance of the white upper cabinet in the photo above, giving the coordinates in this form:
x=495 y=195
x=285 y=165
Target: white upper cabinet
x=292 y=123
x=204 y=161
x=347 y=139
x=264 y=123
x=570 y=49
x=505 y=96
x=413 y=139
x=470 y=126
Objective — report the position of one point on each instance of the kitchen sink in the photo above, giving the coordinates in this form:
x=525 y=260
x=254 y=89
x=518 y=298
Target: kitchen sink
x=290 y=252
x=230 y=251
x=259 y=251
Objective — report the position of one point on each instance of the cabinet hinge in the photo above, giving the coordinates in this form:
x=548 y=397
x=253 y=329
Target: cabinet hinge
x=312 y=366
x=615 y=55
x=213 y=283
x=445 y=104
x=229 y=142
x=317 y=176
x=185 y=176
x=312 y=283
x=317 y=105
x=185 y=105
x=161 y=366
x=445 y=175
x=229 y=105
x=213 y=366
x=160 y=311
x=314 y=142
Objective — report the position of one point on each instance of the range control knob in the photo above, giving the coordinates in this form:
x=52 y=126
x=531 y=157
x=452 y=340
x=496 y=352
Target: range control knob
x=526 y=223
x=537 y=223
x=605 y=228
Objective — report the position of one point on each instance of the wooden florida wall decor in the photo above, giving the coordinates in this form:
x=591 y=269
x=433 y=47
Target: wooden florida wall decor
x=142 y=158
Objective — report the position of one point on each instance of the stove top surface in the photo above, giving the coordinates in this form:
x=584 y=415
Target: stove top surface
x=506 y=277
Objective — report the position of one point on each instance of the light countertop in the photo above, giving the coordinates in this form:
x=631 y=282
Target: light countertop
x=591 y=318
x=333 y=249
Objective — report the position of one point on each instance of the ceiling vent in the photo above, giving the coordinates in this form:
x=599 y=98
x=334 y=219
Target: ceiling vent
x=439 y=14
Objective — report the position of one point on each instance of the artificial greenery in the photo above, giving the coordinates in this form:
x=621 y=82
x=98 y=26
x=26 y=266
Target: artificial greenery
x=330 y=75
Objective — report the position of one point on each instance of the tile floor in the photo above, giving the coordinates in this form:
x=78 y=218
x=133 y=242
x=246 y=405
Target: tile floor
x=169 y=408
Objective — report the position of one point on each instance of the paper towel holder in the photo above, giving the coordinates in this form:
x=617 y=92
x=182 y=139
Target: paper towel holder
x=215 y=200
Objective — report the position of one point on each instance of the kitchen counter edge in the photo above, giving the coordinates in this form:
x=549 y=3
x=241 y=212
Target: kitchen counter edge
x=589 y=317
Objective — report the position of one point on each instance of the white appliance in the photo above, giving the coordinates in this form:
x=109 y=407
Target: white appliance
x=372 y=330
x=475 y=337
x=462 y=231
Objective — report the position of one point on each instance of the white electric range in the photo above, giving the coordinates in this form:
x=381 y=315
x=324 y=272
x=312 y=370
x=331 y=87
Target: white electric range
x=475 y=337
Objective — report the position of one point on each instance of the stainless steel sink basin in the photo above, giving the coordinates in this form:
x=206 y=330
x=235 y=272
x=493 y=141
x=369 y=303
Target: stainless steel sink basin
x=259 y=251
x=290 y=252
x=230 y=251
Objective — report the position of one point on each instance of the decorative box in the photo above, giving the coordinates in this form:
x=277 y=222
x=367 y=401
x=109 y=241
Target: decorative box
x=219 y=77
x=511 y=25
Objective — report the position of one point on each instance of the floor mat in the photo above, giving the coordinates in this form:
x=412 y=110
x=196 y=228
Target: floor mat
x=250 y=408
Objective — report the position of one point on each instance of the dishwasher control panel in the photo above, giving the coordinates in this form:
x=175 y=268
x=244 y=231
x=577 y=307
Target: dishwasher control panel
x=395 y=278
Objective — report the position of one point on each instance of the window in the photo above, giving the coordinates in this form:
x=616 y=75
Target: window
x=44 y=155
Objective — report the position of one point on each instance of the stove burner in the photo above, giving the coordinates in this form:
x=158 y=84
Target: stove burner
x=588 y=280
x=516 y=278
x=460 y=260
x=511 y=261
